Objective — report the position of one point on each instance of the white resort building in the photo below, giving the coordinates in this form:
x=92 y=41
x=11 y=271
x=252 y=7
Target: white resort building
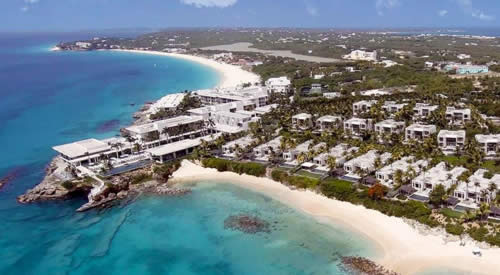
x=233 y=148
x=439 y=174
x=489 y=144
x=358 y=126
x=423 y=110
x=386 y=175
x=290 y=156
x=340 y=152
x=362 y=106
x=451 y=141
x=458 y=116
x=281 y=85
x=256 y=95
x=263 y=152
x=477 y=190
x=389 y=127
x=233 y=122
x=167 y=103
x=391 y=107
x=365 y=163
x=361 y=55
x=328 y=123
x=302 y=121
x=419 y=131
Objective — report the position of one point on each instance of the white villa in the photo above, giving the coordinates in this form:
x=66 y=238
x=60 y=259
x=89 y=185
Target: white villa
x=392 y=107
x=302 y=121
x=233 y=122
x=386 y=175
x=362 y=106
x=168 y=102
x=365 y=163
x=477 y=189
x=439 y=174
x=256 y=95
x=231 y=148
x=489 y=144
x=340 y=152
x=457 y=116
x=281 y=85
x=358 y=126
x=451 y=141
x=389 y=126
x=423 y=110
x=86 y=151
x=263 y=152
x=361 y=55
x=328 y=123
x=419 y=131
x=290 y=156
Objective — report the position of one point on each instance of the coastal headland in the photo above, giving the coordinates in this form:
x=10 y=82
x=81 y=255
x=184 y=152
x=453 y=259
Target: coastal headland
x=405 y=247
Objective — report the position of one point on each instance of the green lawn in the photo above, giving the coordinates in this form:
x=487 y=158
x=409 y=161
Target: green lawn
x=451 y=213
x=491 y=166
x=453 y=160
x=308 y=174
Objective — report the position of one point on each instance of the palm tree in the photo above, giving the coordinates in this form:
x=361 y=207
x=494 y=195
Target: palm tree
x=331 y=162
x=492 y=188
x=301 y=158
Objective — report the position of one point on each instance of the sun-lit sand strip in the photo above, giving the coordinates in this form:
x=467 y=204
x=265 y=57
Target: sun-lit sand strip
x=231 y=75
x=405 y=250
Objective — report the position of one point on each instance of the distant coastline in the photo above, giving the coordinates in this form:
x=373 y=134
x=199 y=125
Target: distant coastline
x=406 y=248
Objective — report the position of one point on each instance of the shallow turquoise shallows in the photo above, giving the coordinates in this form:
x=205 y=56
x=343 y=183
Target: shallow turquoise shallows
x=49 y=98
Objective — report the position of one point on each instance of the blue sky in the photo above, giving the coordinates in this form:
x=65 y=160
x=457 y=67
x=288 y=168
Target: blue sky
x=65 y=15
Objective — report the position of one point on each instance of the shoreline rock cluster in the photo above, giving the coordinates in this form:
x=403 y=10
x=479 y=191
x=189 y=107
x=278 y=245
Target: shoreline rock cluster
x=247 y=224
x=360 y=265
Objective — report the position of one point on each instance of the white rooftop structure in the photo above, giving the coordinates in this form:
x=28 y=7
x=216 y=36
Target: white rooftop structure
x=423 y=110
x=280 y=85
x=361 y=55
x=393 y=107
x=357 y=126
x=332 y=95
x=439 y=174
x=83 y=148
x=450 y=141
x=159 y=126
x=168 y=102
x=458 y=116
x=302 y=121
x=229 y=149
x=477 y=189
x=362 y=106
x=489 y=144
x=340 y=152
x=389 y=126
x=419 y=131
x=232 y=122
x=263 y=151
x=365 y=163
x=290 y=156
x=256 y=95
x=265 y=109
x=327 y=123
x=386 y=175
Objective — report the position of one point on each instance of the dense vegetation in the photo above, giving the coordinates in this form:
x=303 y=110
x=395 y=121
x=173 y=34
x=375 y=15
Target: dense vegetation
x=222 y=165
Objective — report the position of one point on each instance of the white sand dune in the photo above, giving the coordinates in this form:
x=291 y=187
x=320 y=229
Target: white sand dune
x=404 y=248
x=231 y=75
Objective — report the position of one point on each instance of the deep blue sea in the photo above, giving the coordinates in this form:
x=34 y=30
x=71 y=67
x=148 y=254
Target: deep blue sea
x=49 y=98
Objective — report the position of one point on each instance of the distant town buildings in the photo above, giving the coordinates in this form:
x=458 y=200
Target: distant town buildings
x=361 y=55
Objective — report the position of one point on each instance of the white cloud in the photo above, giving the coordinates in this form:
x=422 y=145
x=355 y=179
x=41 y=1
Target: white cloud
x=25 y=9
x=312 y=11
x=468 y=8
x=31 y=1
x=382 y=5
x=443 y=13
x=206 y=3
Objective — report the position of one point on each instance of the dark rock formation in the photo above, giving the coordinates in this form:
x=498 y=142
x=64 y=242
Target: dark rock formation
x=247 y=224
x=360 y=265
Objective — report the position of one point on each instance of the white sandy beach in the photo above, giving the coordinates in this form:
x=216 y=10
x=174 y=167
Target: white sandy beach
x=405 y=250
x=231 y=75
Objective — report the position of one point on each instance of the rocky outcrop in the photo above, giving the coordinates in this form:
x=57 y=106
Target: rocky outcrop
x=247 y=224
x=360 y=265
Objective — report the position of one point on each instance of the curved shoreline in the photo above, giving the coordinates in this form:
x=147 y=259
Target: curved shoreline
x=231 y=75
x=405 y=249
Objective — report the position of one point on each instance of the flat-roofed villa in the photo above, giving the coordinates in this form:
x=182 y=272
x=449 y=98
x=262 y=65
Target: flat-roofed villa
x=340 y=152
x=362 y=106
x=423 y=110
x=386 y=175
x=231 y=148
x=302 y=121
x=233 y=122
x=477 y=190
x=260 y=111
x=175 y=150
x=451 y=141
x=392 y=107
x=158 y=132
x=439 y=174
x=256 y=95
x=290 y=156
x=389 y=127
x=263 y=152
x=281 y=85
x=365 y=163
x=328 y=123
x=457 y=116
x=358 y=126
x=83 y=152
x=489 y=144
x=419 y=131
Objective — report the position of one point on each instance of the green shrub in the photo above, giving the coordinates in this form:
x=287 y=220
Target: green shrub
x=339 y=189
x=455 y=229
x=140 y=178
x=249 y=168
x=68 y=185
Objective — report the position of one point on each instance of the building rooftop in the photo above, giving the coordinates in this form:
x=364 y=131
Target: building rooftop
x=403 y=165
x=162 y=124
x=174 y=147
x=82 y=148
x=329 y=118
x=302 y=116
x=448 y=133
x=488 y=138
x=439 y=174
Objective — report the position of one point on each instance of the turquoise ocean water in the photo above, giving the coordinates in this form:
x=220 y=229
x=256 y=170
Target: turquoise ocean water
x=51 y=98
